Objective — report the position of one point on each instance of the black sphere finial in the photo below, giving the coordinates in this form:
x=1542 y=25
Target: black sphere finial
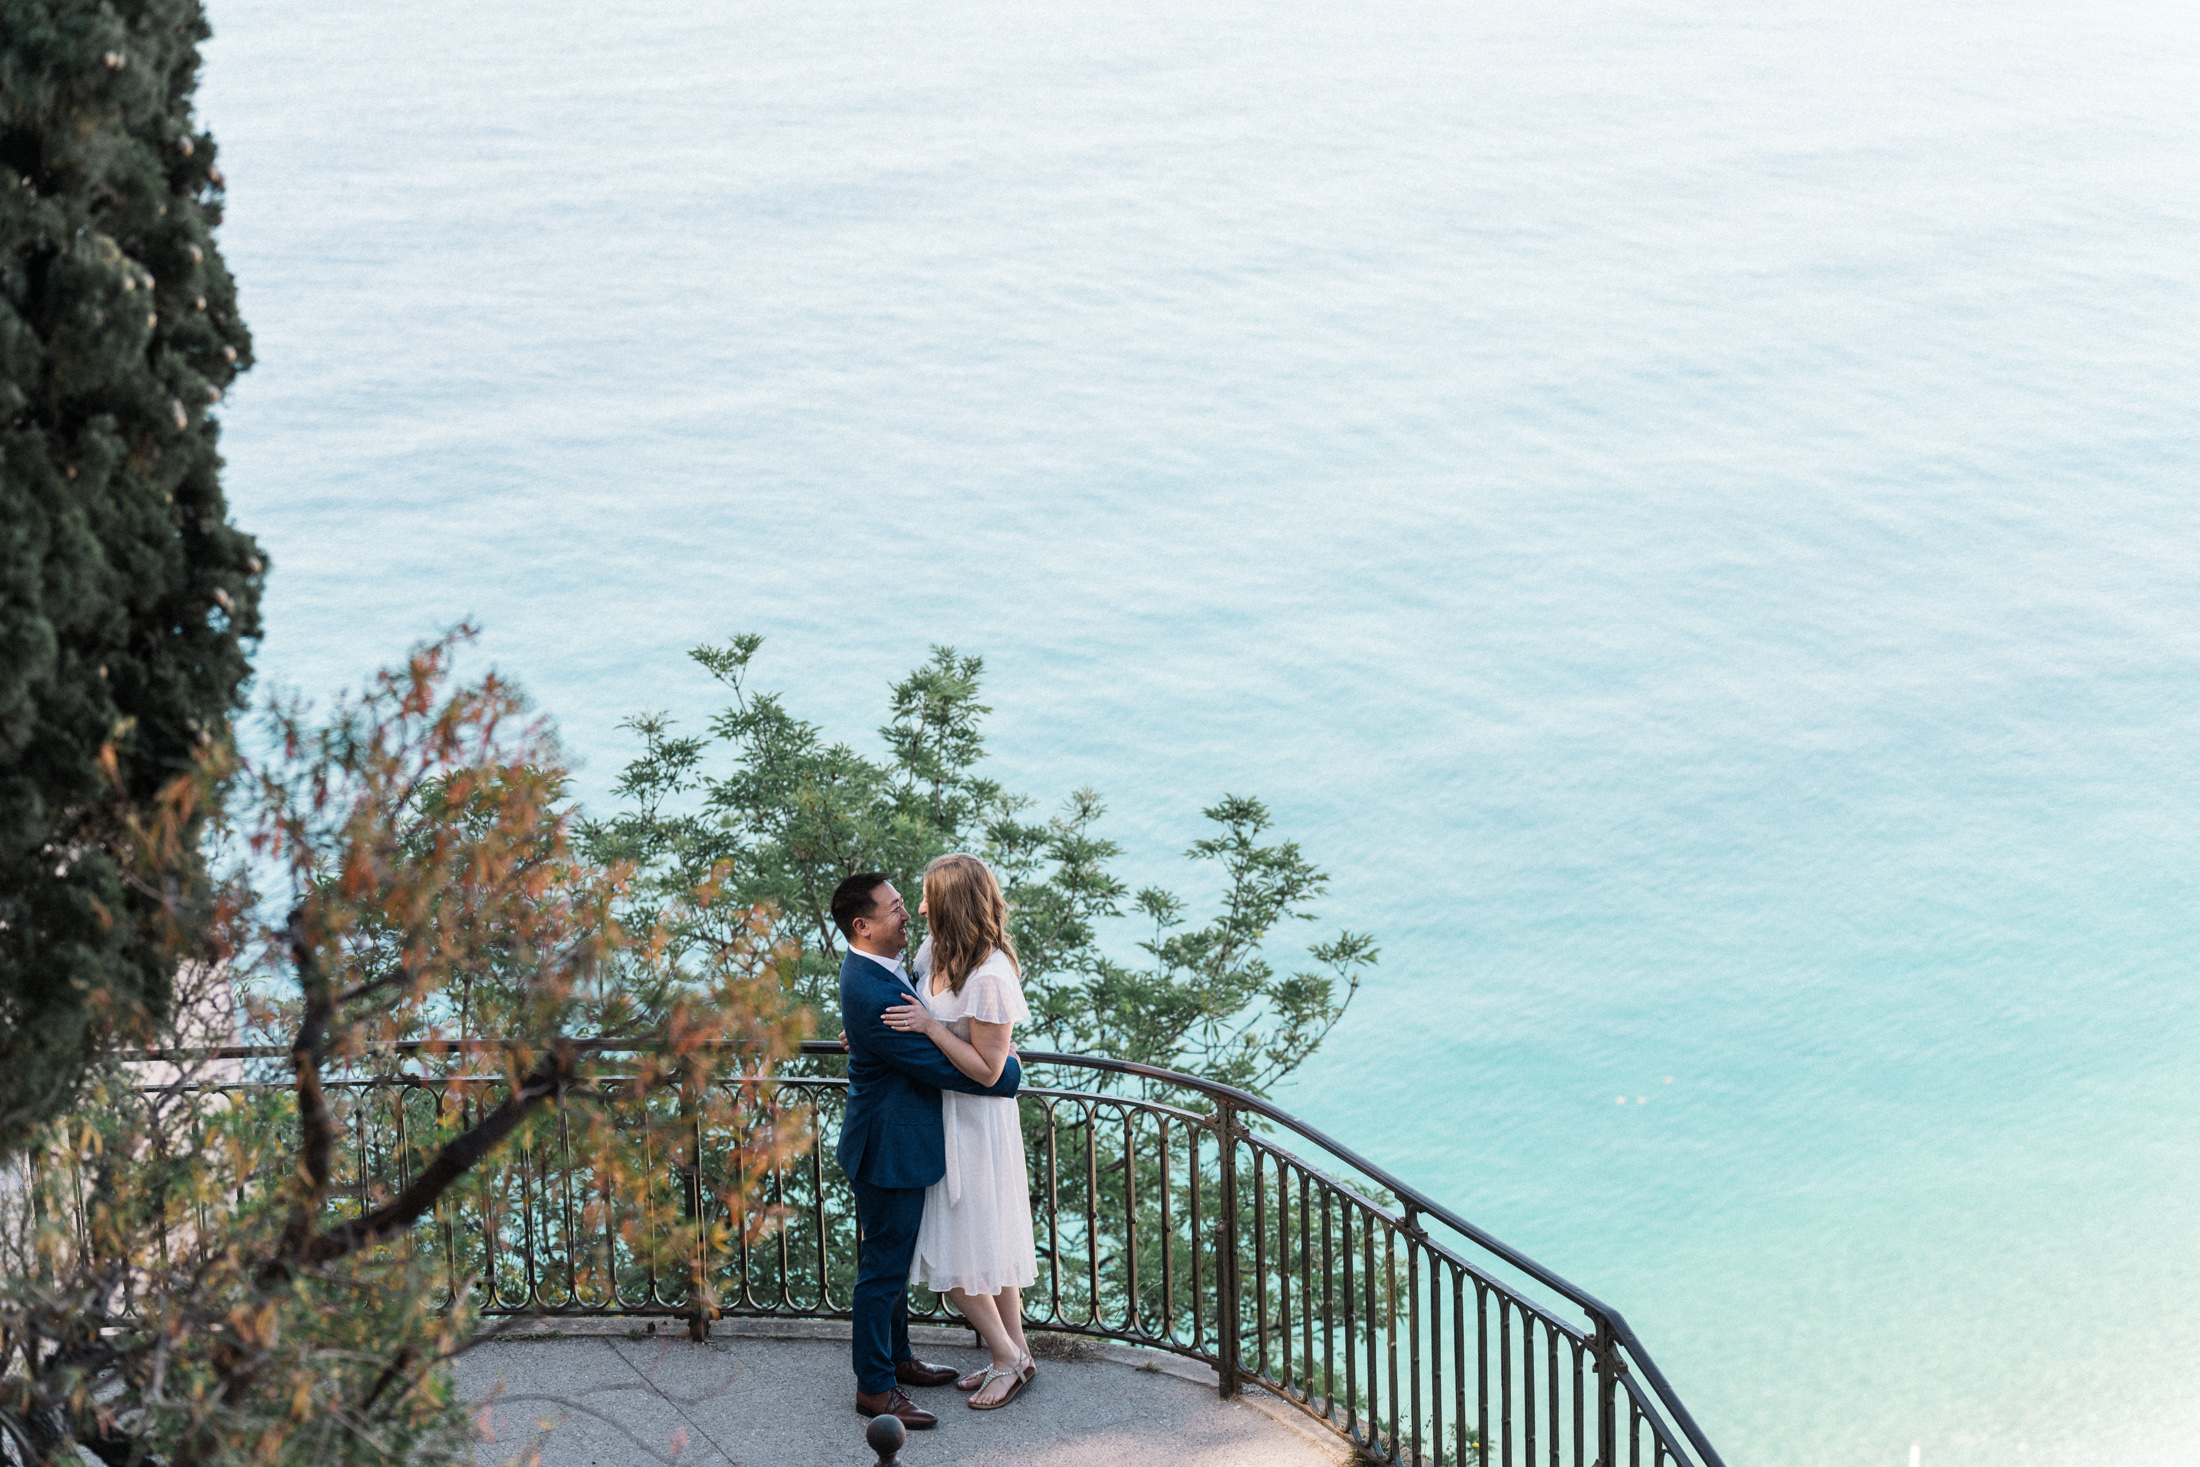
x=886 y=1434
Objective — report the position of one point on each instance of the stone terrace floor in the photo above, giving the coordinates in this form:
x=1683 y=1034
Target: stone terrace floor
x=782 y=1395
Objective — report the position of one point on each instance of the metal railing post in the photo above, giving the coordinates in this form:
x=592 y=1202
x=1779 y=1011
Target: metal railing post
x=1606 y=1348
x=691 y=1204
x=1226 y=1255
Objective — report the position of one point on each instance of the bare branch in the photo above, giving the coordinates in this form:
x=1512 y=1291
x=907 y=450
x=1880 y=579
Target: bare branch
x=306 y=1054
x=396 y=976
x=548 y=1078
x=397 y=1367
x=18 y=1431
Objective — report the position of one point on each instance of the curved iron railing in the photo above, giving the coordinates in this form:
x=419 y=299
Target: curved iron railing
x=1188 y=1224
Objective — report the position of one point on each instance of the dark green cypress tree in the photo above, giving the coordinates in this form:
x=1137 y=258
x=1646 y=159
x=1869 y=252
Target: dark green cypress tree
x=126 y=596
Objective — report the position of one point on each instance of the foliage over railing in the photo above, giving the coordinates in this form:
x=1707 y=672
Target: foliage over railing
x=1209 y=1223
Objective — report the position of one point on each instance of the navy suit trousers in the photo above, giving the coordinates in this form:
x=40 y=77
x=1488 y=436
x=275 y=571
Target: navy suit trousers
x=889 y=1217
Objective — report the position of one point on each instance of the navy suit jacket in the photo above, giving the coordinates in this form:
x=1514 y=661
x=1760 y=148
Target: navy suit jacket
x=892 y=1136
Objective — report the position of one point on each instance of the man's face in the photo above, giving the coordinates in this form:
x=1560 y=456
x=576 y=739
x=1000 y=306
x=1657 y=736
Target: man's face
x=886 y=930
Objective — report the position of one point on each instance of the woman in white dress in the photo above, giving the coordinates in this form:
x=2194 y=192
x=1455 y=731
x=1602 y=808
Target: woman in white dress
x=975 y=1243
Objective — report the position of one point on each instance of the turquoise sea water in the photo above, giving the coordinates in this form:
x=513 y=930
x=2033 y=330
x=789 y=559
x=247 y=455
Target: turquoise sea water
x=1688 y=511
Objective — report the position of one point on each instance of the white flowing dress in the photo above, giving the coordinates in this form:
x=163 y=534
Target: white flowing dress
x=976 y=1233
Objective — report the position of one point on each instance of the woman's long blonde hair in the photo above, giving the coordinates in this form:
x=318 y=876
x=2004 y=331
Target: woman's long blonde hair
x=968 y=916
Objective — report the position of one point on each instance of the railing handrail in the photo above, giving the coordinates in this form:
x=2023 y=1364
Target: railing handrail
x=1415 y=1199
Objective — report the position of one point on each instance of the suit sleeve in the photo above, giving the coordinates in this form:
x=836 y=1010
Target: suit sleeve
x=919 y=1058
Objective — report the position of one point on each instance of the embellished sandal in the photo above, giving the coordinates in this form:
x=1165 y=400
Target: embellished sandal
x=976 y=1378
x=989 y=1375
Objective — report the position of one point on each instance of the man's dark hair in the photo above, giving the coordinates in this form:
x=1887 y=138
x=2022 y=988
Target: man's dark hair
x=857 y=897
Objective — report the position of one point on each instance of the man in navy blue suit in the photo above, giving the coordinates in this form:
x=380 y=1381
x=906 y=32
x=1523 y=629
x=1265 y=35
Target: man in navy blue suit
x=892 y=1145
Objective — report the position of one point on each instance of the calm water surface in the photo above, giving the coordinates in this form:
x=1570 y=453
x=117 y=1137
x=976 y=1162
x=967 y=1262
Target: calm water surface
x=1687 y=510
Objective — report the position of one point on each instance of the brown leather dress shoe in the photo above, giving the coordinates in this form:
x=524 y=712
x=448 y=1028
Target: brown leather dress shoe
x=895 y=1403
x=917 y=1373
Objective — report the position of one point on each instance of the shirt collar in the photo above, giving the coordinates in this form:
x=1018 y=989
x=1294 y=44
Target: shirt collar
x=891 y=965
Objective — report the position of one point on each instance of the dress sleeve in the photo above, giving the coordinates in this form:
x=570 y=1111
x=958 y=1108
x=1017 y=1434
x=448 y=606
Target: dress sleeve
x=993 y=995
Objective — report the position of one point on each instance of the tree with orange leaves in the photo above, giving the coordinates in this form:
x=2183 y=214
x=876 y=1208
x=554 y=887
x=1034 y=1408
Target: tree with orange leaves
x=198 y=1270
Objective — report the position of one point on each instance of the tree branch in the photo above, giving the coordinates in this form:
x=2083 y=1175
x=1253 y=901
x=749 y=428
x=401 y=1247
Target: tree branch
x=306 y=1052
x=548 y=1078
x=398 y=974
x=397 y=1367
x=18 y=1431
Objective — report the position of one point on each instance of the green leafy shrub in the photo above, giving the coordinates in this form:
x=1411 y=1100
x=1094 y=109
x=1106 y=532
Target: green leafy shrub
x=766 y=799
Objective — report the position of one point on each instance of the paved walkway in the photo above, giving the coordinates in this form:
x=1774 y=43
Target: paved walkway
x=748 y=1398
